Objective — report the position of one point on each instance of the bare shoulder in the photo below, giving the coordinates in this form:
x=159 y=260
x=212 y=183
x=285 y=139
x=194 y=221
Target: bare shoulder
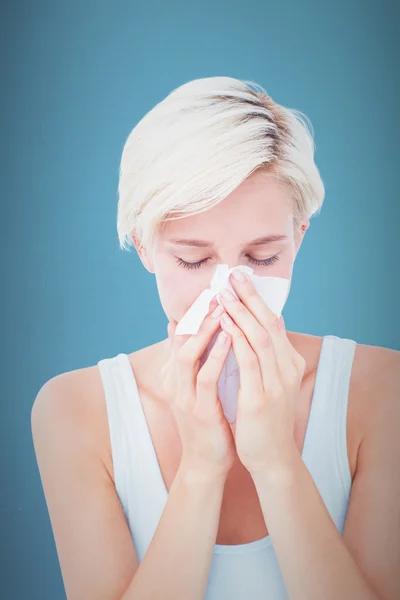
x=375 y=379
x=77 y=400
x=374 y=392
x=77 y=397
x=371 y=527
x=69 y=428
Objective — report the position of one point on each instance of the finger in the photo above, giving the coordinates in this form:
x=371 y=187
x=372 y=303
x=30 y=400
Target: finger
x=264 y=320
x=209 y=374
x=179 y=340
x=190 y=353
x=251 y=383
x=168 y=375
x=183 y=370
x=213 y=304
x=258 y=340
x=196 y=343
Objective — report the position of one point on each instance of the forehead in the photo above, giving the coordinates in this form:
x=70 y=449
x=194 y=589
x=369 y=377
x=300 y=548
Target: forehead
x=258 y=206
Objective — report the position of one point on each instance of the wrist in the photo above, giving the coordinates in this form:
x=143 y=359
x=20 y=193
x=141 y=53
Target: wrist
x=279 y=471
x=193 y=474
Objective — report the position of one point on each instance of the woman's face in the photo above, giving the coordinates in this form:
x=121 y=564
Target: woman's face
x=188 y=250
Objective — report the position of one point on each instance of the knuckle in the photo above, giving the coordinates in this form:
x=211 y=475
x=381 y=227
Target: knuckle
x=299 y=362
x=237 y=333
x=240 y=307
x=256 y=407
x=250 y=361
x=302 y=364
x=276 y=323
x=205 y=381
x=252 y=292
x=265 y=340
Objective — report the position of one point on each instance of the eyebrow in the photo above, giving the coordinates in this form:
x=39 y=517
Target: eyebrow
x=266 y=239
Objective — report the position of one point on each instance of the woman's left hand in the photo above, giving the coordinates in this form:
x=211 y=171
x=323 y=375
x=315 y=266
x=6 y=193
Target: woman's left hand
x=271 y=372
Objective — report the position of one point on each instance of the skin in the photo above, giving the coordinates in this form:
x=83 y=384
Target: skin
x=258 y=202
x=262 y=204
x=70 y=423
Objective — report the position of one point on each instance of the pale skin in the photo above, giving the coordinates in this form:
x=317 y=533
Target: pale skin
x=271 y=493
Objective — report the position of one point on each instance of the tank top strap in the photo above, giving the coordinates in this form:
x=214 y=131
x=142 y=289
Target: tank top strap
x=133 y=452
x=327 y=425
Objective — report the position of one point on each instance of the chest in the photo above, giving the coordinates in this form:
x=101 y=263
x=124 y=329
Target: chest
x=241 y=518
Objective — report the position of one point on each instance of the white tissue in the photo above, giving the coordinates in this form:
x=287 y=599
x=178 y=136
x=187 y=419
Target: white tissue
x=273 y=290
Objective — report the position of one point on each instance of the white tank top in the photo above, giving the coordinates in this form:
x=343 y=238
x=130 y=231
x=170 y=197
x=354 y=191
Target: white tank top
x=242 y=571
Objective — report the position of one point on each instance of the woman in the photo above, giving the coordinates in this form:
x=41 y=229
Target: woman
x=151 y=492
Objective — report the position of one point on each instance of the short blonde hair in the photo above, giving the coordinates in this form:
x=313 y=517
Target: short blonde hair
x=200 y=143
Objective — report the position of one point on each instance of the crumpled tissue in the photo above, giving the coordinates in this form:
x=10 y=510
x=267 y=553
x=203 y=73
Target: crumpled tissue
x=274 y=291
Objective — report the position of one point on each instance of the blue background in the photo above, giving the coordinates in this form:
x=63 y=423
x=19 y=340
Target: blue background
x=77 y=77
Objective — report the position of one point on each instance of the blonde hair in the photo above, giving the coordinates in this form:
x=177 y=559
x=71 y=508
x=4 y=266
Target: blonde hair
x=200 y=143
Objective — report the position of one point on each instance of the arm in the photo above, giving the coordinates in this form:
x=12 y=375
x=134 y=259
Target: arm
x=177 y=563
x=93 y=541
x=316 y=562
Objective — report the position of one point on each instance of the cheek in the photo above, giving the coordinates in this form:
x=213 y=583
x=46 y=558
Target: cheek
x=178 y=290
x=287 y=266
x=283 y=267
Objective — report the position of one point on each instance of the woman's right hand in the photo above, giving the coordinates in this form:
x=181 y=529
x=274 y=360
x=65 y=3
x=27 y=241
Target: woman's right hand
x=190 y=387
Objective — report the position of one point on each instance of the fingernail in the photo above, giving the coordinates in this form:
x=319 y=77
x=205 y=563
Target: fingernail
x=238 y=275
x=227 y=294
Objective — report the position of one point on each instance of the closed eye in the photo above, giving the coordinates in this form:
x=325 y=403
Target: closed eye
x=196 y=265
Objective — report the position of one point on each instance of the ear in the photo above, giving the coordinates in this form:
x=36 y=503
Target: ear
x=147 y=263
x=300 y=233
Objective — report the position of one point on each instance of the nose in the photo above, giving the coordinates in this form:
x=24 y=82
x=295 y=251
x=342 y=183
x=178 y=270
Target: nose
x=233 y=262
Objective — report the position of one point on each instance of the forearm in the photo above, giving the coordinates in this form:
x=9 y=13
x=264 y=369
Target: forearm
x=314 y=561
x=177 y=562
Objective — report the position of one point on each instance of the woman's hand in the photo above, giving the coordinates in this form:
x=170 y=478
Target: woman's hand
x=271 y=371
x=191 y=389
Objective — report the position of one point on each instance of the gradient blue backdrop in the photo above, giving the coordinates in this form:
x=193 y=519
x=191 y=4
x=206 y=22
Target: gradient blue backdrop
x=77 y=77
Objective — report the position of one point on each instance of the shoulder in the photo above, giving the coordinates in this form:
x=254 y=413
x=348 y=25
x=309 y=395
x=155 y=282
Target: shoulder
x=74 y=402
x=86 y=513
x=374 y=390
x=373 y=396
x=370 y=530
x=375 y=374
x=375 y=379
x=73 y=405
